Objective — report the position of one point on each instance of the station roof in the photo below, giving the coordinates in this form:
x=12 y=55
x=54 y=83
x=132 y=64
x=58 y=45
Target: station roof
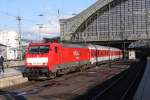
x=140 y=44
x=74 y=22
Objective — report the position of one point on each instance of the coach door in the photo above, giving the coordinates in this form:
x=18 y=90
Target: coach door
x=92 y=54
x=57 y=54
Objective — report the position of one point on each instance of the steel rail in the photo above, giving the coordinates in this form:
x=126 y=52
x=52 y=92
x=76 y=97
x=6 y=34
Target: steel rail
x=117 y=81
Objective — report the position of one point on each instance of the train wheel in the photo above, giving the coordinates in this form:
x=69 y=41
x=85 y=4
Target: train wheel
x=53 y=75
x=81 y=69
x=30 y=78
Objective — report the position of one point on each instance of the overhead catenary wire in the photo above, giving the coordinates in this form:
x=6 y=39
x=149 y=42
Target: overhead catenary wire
x=14 y=16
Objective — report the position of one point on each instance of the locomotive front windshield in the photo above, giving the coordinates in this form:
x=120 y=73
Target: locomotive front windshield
x=38 y=49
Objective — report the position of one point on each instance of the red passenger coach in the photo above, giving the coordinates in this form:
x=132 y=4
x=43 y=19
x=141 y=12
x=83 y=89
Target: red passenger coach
x=50 y=59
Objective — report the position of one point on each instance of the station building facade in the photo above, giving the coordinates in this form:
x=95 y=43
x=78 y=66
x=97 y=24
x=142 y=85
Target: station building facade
x=109 y=20
x=10 y=42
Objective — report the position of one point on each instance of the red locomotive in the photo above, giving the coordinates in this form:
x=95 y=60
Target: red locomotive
x=50 y=59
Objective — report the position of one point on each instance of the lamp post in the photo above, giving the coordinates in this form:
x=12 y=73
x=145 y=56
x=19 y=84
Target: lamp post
x=40 y=15
x=18 y=18
x=39 y=28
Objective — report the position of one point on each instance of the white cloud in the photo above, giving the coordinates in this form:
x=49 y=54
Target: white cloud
x=50 y=29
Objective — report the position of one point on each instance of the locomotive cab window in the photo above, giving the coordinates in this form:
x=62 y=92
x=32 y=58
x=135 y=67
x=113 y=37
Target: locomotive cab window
x=38 y=49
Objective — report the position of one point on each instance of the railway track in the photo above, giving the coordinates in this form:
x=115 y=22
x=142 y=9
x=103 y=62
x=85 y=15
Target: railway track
x=120 y=87
x=71 y=85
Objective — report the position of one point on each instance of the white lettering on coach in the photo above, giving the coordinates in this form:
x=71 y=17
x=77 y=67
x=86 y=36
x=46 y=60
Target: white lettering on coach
x=76 y=54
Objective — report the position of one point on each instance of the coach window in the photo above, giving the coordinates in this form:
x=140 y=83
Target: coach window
x=100 y=53
x=56 y=49
x=92 y=53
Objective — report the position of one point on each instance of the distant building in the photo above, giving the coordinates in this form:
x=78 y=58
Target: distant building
x=25 y=42
x=3 y=51
x=11 y=40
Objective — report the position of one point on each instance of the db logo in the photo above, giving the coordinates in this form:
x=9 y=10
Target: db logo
x=76 y=53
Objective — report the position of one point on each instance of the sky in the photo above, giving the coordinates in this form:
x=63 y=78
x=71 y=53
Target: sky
x=29 y=10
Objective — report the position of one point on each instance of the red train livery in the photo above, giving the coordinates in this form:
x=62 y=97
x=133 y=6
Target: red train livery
x=50 y=59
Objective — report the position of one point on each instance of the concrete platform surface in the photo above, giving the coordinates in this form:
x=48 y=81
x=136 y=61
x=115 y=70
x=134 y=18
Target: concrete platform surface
x=8 y=64
x=11 y=71
x=143 y=91
x=11 y=76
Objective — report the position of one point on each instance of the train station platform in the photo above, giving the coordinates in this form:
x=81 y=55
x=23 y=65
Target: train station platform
x=11 y=76
x=143 y=91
